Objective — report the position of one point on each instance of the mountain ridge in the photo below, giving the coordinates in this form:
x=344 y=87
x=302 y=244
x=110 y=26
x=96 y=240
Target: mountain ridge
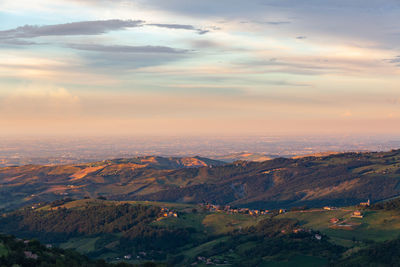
x=337 y=179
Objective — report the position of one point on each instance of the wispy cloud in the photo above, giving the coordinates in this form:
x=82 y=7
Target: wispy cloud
x=74 y=28
x=128 y=49
x=395 y=61
x=277 y=22
x=180 y=27
x=17 y=42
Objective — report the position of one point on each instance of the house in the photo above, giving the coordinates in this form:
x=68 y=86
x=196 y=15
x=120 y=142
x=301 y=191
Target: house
x=170 y=214
x=30 y=255
x=128 y=257
x=334 y=220
x=357 y=214
x=282 y=211
x=318 y=237
x=329 y=208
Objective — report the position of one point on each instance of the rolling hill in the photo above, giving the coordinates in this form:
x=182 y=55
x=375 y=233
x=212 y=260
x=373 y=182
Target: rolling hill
x=139 y=233
x=339 y=179
x=244 y=156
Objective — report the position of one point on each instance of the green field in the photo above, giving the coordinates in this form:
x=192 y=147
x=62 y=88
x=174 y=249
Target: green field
x=376 y=225
x=222 y=223
x=297 y=261
x=3 y=250
x=82 y=245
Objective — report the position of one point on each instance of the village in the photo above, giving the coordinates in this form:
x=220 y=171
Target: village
x=230 y=210
x=255 y=212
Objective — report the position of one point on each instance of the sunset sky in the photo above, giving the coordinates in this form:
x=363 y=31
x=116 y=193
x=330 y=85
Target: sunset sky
x=187 y=67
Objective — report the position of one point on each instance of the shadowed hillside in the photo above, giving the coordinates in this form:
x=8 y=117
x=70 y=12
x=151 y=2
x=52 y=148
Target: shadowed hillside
x=341 y=179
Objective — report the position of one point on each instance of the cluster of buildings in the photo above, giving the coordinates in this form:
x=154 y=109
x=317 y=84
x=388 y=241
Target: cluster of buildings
x=209 y=261
x=141 y=255
x=230 y=210
x=359 y=214
x=165 y=212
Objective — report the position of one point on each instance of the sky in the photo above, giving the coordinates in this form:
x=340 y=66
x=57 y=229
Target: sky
x=191 y=67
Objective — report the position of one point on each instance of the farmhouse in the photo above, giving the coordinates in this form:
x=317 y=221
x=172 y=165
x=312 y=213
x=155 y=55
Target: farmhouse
x=334 y=220
x=357 y=214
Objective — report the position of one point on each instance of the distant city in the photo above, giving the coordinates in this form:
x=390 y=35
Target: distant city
x=69 y=150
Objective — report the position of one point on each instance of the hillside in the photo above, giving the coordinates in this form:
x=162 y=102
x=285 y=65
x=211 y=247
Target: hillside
x=34 y=183
x=19 y=252
x=244 y=156
x=340 y=179
x=140 y=232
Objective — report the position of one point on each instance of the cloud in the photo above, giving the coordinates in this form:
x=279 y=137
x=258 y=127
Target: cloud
x=118 y=59
x=128 y=49
x=301 y=37
x=395 y=61
x=201 y=44
x=277 y=22
x=74 y=28
x=14 y=42
x=180 y=27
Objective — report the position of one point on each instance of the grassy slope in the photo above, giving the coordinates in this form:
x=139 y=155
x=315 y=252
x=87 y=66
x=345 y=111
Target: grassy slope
x=214 y=224
x=297 y=261
x=220 y=223
x=82 y=245
x=376 y=225
x=3 y=250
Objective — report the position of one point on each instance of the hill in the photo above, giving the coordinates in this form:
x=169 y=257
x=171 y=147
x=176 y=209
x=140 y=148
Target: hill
x=139 y=232
x=18 y=252
x=244 y=156
x=339 y=180
x=30 y=184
